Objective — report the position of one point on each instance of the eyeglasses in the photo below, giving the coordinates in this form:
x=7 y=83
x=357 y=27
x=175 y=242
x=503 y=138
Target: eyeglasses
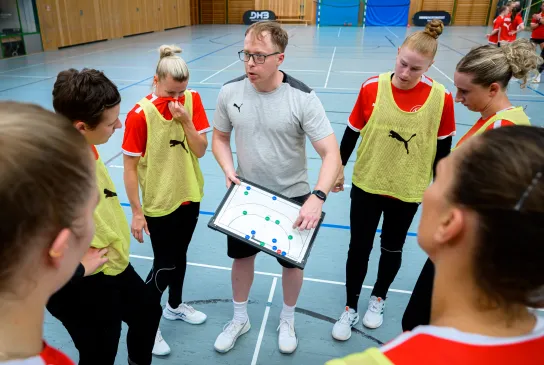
x=257 y=58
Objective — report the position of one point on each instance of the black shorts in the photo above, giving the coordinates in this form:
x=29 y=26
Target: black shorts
x=537 y=40
x=237 y=249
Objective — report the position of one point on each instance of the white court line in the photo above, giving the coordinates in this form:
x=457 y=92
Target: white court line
x=391 y=32
x=263 y=324
x=218 y=72
x=357 y=72
x=224 y=268
x=526 y=96
x=117 y=166
x=330 y=67
x=279 y=276
x=26 y=76
x=437 y=69
x=339 y=30
x=288 y=70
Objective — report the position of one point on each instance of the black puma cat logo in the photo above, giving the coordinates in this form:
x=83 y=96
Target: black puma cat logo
x=109 y=193
x=398 y=137
x=174 y=143
x=238 y=106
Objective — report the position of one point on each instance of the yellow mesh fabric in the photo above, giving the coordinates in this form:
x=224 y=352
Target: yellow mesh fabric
x=112 y=230
x=372 y=356
x=169 y=173
x=397 y=150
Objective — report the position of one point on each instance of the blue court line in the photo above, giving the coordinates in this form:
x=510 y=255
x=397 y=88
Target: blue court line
x=390 y=41
x=324 y=225
x=188 y=62
x=30 y=83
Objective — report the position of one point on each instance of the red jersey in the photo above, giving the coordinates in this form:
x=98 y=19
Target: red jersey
x=516 y=22
x=407 y=100
x=538 y=32
x=135 y=137
x=497 y=24
x=48 y=356
x=504 y=35
x=498 y=124
x=432 y=345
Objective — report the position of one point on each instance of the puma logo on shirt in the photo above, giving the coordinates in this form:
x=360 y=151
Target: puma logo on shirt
x=399 y=138
x=174 y=143
x=238 y=107
x=109 y=193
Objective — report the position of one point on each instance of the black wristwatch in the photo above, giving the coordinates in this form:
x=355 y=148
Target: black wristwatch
x=321 y=195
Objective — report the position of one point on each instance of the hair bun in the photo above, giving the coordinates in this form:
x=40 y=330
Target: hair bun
x=521 y=57
x=434 y=28
x=167 y=51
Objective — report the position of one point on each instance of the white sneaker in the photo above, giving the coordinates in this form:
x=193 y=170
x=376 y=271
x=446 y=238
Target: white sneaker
x=160 y=348
x=342 y=328
x=374 y=315
x=287 y=338
x=232 y=330
x=536 y=80
x=184 y=312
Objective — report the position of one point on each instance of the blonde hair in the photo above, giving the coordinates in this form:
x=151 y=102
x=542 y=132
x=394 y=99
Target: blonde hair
x=47 y=176
x=488 y=64
x=425 y=41
x=171 y=64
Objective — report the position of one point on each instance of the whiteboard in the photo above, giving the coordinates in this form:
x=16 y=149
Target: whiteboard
x=264 y=219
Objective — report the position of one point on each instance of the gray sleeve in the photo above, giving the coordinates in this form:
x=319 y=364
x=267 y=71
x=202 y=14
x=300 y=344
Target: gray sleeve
x=221 y=119
x=315 y=123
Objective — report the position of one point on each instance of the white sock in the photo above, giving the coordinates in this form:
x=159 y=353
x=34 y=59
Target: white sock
x=240 y=311
x=288 y=312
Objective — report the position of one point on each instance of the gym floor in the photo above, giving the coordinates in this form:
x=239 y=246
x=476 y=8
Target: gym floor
x=334 y=62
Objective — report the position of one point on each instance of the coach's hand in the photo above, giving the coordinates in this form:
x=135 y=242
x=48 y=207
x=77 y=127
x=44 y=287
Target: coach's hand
x=230 y=177
x=309 y=214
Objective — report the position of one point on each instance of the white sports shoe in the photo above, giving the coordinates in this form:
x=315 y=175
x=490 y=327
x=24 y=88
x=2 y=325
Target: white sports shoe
x=341 y=330
x=287 y=338
x=160 y=348
x=232 y=330
x=185 y=313
x=536 y=79
x=374 y=315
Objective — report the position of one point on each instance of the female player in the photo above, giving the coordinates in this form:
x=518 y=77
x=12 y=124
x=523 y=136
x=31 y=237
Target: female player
x=537 y=37
x=48 y=195
x=406 y=121
x=499 y=30
x=487 y=194
x=93 y=308
x=481 y=77
x=164 y=138
x=517 y=22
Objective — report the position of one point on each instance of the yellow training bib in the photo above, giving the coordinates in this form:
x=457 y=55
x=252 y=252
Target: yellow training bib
x=112 y=229
x=396 y=154
x=169 y=173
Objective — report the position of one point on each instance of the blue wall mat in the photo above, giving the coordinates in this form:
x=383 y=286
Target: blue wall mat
x=387 y=12
x=338 y=12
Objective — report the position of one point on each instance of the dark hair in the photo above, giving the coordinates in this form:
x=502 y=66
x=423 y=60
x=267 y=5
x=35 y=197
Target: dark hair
x=278 y=35
x=84 y=95
x=515 y=10
x=488 y=64
x=47 y=176
x=501 y=179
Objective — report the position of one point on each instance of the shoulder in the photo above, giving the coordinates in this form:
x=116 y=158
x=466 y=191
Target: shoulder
x=196 y=96
x=296 y=84
x=500 y=123
x=235 y=82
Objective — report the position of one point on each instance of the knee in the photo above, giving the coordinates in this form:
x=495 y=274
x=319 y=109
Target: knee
x=244 y=262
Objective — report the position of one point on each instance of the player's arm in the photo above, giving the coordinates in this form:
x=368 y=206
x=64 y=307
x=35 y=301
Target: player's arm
x=221 y=141
x=134 y=143
x=197 y=142
x=446 y=131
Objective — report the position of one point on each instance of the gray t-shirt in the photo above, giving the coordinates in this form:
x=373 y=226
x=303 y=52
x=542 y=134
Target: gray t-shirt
x=270 y=130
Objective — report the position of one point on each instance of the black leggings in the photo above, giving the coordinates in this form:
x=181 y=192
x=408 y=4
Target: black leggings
x=366 y=210
x=170 y=237
x=418 y=310
x=92 y=309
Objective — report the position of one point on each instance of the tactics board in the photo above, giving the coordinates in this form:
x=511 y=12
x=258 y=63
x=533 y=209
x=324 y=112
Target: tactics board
x=264 y=219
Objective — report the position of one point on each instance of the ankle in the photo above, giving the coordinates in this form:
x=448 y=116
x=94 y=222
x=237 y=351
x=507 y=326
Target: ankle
x=240 y=311
x=288 y=312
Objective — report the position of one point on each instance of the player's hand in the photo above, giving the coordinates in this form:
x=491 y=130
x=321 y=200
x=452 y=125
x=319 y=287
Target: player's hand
x=139 y=224
x=309 y=214
x=230 y=178
x=339 y=184
x=93 y=259
x=178 y=112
